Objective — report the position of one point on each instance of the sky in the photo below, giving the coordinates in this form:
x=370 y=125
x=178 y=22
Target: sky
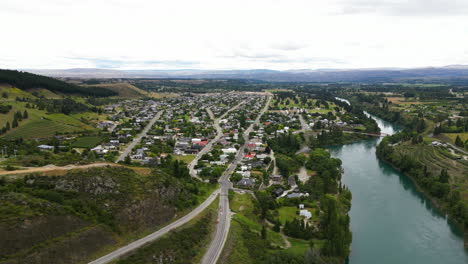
x=236 y=34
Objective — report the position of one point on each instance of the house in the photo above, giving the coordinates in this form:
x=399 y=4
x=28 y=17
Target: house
x=200 y=143
x=278 y=192
x=255 y=163
x=140 y=154
x=246 y=182
x=192 y=151
x=292 y=181
x=229 y=150
x=294 y=195
x=45 y=147
x=276 y=178
x=248 y=157
x=305 y=213
x=100 y=150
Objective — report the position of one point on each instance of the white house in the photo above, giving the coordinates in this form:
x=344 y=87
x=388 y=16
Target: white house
x=229 y=150
x=100 y=150
x=45 y=147
x=305 y=213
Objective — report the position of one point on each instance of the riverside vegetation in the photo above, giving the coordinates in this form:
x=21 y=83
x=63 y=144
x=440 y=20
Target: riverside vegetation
x=418 y=150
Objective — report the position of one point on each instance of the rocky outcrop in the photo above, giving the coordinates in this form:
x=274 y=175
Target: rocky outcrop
x=69 y=219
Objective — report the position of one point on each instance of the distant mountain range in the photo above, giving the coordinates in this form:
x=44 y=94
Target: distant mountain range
x=452 y=72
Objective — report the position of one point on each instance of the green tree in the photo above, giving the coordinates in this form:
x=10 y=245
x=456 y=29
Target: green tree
x=14 y=123
x=128 y=160
x=459 y=142
x=264 y=233
x=444 y=177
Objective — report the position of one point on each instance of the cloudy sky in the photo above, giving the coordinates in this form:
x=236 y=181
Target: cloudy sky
x=235 y=34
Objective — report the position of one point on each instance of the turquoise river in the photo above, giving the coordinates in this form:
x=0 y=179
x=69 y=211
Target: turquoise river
x=391 y=221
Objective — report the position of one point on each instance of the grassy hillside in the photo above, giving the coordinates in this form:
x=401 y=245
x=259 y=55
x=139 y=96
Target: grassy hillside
x=76 y=217
x=122 y=89
x=436 y=159
x=40 y=124
x=26 y=81
x=186 y=244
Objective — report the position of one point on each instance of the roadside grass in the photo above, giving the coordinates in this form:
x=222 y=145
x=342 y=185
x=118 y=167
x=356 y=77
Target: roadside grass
x=243 y=204
x=205 y=190
x=87 y=142
x=235 y=250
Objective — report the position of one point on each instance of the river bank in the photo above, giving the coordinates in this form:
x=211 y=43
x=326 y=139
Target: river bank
x=391 y=219
x=442 y=206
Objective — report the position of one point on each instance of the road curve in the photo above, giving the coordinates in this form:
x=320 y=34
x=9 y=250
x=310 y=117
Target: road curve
x=161 y=232
x=224 y=215
x=137 y=140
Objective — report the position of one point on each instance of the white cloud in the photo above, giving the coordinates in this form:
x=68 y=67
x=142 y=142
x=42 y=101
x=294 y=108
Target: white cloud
x=406 y=7
x=217 y=34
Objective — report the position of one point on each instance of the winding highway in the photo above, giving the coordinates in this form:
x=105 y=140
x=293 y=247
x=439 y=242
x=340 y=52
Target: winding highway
x=140 y=242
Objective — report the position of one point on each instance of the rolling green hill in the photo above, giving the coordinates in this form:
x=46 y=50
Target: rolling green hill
x=122 y=89
x=26 y=81
x=39 y=123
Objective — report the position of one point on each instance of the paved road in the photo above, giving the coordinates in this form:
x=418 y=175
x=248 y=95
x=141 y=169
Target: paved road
x=161 y=232
x=209 y=146
x=224 y=216
x=137 y=140
x=304 y=126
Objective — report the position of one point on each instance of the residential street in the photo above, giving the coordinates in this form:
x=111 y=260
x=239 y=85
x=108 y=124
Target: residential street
x=209 y=146
x=224 y=214
x=137 y=140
